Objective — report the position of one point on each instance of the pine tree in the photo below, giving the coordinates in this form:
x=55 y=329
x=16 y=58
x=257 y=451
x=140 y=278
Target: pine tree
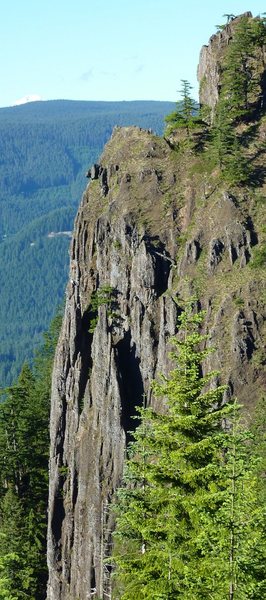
x=223 y=134
x=16 y=570
x=174 y=465
x=5 y=580
x=241 y=77
x=258 y=446
x=242 y=84
x=235 y=167
x=185 y=115
x=24 y=447
x=236 y=533
x=187 y=515
x=238 y=80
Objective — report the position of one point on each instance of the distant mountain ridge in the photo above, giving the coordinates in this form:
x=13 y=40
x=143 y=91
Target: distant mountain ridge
x=65 y=108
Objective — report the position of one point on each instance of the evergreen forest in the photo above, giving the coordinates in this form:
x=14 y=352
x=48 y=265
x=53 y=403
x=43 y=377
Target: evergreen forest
x=24 y=452
x=46 y=149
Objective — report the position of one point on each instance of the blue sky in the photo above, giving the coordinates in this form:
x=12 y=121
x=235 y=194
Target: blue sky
x=106 y=50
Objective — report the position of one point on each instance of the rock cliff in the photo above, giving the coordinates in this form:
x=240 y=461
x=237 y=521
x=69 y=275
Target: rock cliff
x=211 y=62
x=124 y=247
x=153 y=226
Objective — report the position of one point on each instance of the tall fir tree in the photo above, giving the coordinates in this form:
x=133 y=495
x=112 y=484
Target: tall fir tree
x=238 y=80
x=174 y=459
x=178 y=485
x=24 y=448
x=235 y=533
x=241 y=96
x=185 y=116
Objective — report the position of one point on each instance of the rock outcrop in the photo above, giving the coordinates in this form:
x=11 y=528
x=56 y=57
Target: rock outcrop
x=211 y=61
x=152 y=228
x=103 y=369
x=129 y=260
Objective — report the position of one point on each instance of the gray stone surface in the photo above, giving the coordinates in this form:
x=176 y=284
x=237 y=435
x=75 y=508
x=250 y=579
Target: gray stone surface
x=129 y=241
x=98 y=379
x=210 y=63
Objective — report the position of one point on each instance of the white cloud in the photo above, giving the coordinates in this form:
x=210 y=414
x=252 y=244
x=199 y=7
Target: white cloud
x=28 y=98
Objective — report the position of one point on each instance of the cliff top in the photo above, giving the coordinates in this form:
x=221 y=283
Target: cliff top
x=212 y=56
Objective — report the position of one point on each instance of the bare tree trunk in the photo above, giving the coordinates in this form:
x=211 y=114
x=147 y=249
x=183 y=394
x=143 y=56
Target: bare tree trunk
x=232 y=584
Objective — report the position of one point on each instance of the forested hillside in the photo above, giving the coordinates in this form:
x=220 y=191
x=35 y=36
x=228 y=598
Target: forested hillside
x=24 y=449
x=45 y=151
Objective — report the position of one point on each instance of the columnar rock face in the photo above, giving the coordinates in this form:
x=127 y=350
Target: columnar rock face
x=154 y=227
x=106 y=361
x=159 y=233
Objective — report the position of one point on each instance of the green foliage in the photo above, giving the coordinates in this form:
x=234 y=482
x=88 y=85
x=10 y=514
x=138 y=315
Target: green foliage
x=220 y=27
x=185 y=115
x=242 y=84
x=104 y=296
x=74 y=134
x=235 y=166
x=258 y=446
x=241 y=94
x=117 y=244
x=259 y=257
x=5 y=576
x=222 y=134
x=236 y=532
x=205 y=113
x=46 y=149
x=24 y=447
x=239 y=301
x=34 y=282
x=187 y=519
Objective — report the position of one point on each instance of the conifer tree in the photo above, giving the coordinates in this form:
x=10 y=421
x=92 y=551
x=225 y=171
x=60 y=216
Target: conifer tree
x=24 y=447
x=174 y=465
x=235 y=532
x=187 y=519
x=223 y=134
x=5 y=580
x=185 y=115
x=239 y=81
x=242 y=84
x=235 y=166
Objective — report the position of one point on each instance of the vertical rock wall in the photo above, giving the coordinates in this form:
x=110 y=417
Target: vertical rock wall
x=104 y=365
x=153 y=227
x=211 y=60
